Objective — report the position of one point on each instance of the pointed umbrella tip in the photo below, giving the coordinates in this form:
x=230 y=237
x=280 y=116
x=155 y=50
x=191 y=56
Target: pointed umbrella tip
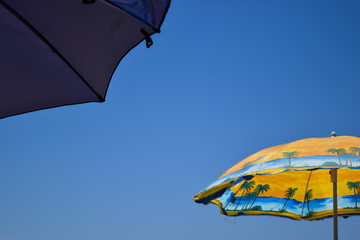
x=333 y=134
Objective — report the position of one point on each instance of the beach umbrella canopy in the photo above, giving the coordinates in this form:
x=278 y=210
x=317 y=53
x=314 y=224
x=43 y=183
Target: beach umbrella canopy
x=308 y=179
x=62 y=52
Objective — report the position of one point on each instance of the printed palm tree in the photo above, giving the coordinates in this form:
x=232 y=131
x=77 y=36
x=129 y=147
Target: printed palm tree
x=355 y=150
x=290 y=155
x=350 y=154
x=354 y=186
x=250 y=196
x=246 y=188
x=289 y=193
x=338 y=151
x=247 y=196
x=259 y=190
x=346 y=155
x=308 y=197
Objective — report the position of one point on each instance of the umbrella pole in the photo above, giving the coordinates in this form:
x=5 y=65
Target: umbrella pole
x=334 y=181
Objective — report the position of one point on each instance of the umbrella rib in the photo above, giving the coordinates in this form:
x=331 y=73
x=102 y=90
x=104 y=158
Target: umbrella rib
x=37 y=33
x=307 y=185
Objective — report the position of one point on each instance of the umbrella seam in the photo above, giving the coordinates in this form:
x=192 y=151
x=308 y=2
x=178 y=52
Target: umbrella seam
x=156 y=29
x=153 y=27
x=307 y=185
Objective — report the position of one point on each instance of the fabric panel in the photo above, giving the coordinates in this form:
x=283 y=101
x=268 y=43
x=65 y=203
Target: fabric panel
x=32 y=75
x=150 y=11
x=294 y=194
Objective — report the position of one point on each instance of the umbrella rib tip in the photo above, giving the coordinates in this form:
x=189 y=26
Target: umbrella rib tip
x=101 y=99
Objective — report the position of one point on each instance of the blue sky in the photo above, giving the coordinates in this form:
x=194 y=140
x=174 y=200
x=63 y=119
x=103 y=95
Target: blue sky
x=222 y=81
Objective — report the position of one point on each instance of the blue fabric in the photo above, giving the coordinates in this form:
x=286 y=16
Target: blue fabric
x=150 y=11
x=65 y=52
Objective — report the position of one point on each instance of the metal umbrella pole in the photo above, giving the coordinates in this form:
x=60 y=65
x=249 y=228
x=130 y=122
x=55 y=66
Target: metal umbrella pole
x=333 y=173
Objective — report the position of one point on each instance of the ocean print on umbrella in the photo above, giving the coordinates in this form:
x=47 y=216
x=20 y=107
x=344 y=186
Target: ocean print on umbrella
x=284 y=180
x=289 y=193
x=267 y=194
x=296 y=156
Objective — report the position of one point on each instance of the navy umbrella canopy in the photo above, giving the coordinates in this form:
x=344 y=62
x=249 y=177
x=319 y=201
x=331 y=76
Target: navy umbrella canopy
x=61 y=52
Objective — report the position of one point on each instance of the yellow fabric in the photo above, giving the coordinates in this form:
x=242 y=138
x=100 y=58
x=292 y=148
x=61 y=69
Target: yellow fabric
x=304 y=147
x=320 y=203
x=291 y=180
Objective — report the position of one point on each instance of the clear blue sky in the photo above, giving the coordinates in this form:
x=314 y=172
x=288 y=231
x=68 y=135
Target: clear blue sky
x=222 y=81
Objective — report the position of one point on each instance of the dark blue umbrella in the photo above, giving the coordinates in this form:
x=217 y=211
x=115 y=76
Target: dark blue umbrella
x=61 y=52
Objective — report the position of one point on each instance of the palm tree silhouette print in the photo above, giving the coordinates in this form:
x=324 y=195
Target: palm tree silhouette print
x=338 y=151
x=289 y=193
x=354 y=186
x=350 y=154
x=246 y=188
x=355 y=150
x=250 y=196
x=308 y=197
x=259 y=190
x=345 y=154
x=290 y=155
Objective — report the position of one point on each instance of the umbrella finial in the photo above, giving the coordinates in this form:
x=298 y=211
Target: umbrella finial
x=333 y=134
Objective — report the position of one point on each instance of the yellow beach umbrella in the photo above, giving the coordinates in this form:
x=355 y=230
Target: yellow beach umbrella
x=308 y=179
